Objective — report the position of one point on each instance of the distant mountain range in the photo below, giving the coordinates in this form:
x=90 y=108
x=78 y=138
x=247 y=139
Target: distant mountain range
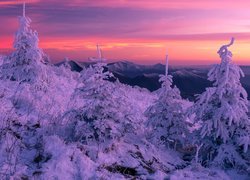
x=190 y=80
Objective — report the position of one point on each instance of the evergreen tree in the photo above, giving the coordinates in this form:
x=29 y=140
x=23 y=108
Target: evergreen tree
x=25 y=64
x=20 y=140
x=104 y=116
x=222 y=110
x=166 y=115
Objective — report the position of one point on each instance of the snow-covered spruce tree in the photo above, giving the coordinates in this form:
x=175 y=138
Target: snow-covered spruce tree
x=166 y=115
x=21 y=72
x=222 y=110
x=103 y=118
x=26 y=63
x=26 y=68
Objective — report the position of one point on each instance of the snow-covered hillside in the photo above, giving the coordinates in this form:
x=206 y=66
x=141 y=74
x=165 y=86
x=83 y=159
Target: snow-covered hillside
x=82 y=123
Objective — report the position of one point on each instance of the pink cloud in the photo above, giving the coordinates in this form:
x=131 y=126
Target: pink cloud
x=13 y=2
x=162 y=4
x=148 y=4
x=132 y=29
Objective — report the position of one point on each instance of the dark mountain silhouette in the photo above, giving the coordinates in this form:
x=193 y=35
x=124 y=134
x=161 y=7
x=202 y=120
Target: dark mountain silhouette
x=190 y=80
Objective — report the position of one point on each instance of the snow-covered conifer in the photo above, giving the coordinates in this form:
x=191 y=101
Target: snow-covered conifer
x=166 y=115
x=20 y=138
x=25 y=64
x=222 y=110
x=104 y=116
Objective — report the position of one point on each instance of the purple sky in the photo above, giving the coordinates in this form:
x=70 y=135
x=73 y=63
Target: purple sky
x=141 y=31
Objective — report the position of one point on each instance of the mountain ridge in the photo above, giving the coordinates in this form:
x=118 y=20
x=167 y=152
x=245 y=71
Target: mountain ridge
x=191 y=80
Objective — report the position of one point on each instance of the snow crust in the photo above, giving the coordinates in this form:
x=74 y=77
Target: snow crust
x=60 y=124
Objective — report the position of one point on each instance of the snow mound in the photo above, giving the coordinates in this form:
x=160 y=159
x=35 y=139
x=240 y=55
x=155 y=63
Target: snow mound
x=198 y=172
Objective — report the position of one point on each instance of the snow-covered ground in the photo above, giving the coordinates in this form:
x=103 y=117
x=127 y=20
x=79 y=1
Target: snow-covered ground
x=60 y=124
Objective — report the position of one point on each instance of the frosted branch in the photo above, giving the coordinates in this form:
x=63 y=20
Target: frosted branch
x=223 y=51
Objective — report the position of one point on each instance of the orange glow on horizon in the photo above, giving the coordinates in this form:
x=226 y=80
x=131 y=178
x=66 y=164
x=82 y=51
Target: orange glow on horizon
x=140 y=31
x=11 y=2
x=142 y=50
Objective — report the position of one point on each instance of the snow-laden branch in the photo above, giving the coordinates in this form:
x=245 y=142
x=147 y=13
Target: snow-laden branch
x=223 y=51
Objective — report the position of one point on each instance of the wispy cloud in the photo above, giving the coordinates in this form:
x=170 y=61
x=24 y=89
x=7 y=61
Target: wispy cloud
x=147 y=4
x=15 y=2
x=130 y=25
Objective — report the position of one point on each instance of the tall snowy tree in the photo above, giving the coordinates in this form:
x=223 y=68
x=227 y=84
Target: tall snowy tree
x=166 y=115
x=222 y=110
x=104 y=116
x=25 y=64
x=23 y=73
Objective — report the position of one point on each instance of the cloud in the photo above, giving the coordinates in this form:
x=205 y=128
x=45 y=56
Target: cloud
x=145 y=4
x=15 y=2
x=149 y=4
x=124 y=26
x=156 y=4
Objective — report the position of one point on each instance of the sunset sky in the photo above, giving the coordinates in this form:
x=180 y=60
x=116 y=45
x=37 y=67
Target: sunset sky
x=191 y=31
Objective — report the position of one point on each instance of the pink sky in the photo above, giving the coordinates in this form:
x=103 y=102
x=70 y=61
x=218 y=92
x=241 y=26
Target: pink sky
x=141 y=31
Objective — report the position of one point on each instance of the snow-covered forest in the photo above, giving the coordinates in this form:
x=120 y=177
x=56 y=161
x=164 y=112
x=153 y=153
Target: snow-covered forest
x=60 y=124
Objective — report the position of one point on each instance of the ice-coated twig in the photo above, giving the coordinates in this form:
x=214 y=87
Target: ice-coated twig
x=166 y=71
x=24 y=9
x=223 y=50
